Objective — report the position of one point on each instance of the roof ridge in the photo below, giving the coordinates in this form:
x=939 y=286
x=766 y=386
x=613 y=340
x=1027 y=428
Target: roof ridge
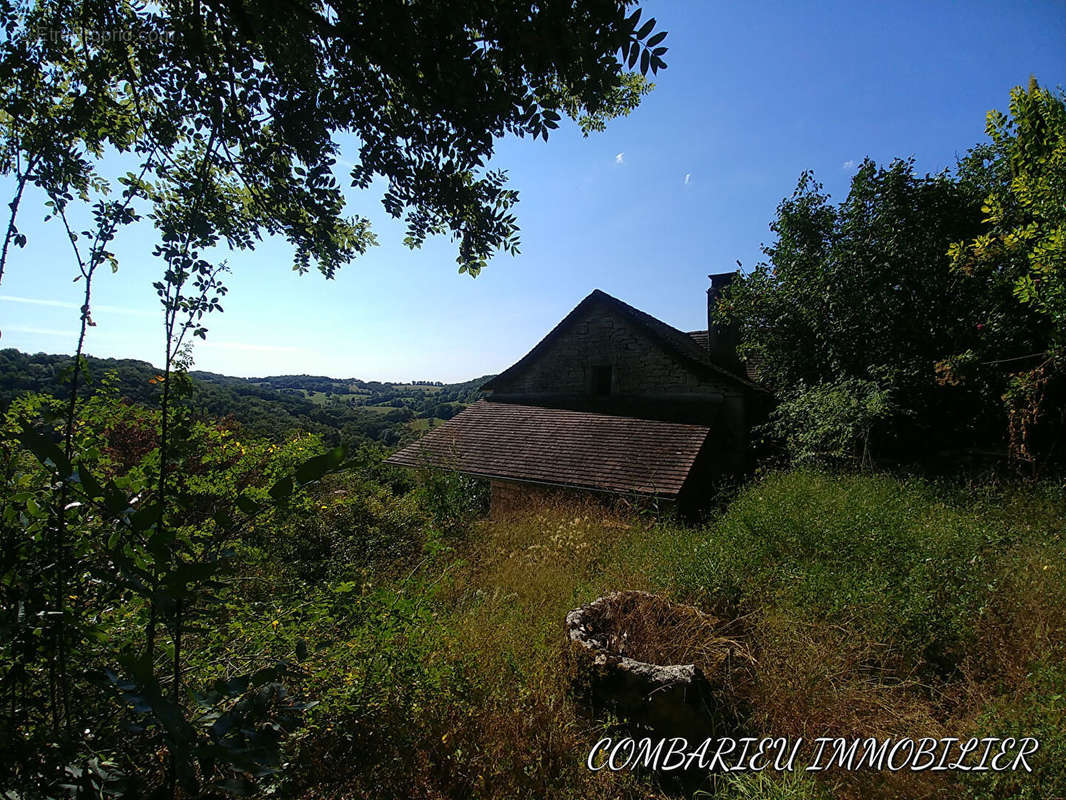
x=672 y=338
x=681 y=343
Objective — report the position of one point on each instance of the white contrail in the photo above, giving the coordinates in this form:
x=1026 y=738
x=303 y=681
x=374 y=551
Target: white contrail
x=99 y=309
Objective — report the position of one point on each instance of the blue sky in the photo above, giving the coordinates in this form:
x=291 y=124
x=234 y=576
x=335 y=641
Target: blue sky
x=755 y=93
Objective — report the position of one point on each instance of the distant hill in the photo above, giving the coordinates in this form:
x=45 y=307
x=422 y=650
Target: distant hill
x=341 y=409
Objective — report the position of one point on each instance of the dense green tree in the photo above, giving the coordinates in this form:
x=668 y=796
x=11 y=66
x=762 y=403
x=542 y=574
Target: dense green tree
x=1021 y=250
x=1025 y=214
x=273 y=407
x=856 y=305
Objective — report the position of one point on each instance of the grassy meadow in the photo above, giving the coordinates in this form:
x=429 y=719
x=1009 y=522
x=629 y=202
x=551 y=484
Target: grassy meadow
x=870 y=606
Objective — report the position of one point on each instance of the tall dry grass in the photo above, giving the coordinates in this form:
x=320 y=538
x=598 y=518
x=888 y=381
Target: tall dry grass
x=868 y=606
x=506 y=605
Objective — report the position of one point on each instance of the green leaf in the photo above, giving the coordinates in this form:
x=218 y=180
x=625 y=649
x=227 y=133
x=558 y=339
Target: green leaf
x=115 y=501
x=93 y=489
x=267 y=675
x=145 y=517
x=633 y=19
x=315 y=468
x=194 y=572
x=236 y=685
x=46 y=451
x=282 y=489
x=654 y=40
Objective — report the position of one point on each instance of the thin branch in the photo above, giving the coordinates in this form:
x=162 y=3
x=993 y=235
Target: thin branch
x=23 y=176
x=1016 y=358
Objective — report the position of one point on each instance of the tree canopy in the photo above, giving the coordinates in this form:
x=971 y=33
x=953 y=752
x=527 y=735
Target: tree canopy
x=1021 y=249
x=268 y=95
x=1025 y=214
x=863 y=325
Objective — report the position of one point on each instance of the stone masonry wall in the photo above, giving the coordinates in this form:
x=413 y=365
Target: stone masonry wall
x=510 y=497
x=605 y=338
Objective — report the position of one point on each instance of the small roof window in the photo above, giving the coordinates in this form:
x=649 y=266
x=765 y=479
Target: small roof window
x=601 y=380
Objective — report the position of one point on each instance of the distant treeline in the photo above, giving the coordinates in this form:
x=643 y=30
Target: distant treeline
x=341 y=410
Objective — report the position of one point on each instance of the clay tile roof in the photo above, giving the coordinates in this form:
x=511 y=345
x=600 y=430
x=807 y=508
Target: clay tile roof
x=561 y=447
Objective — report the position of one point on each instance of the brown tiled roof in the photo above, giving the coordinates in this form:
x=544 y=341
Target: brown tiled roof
x=678 y=343
x=561 y=447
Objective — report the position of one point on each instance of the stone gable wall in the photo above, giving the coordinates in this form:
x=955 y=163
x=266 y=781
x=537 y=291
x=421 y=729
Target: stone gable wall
x=605 y=338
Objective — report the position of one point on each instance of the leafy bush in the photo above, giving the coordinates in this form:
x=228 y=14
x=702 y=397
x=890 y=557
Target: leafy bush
x=452 y=500
x=1038 y=712
x=106 y=584
x=864 y=290
x=349 y=531
x=830 y=421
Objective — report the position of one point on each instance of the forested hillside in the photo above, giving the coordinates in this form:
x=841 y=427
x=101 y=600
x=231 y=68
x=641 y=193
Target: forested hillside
x=340 y=410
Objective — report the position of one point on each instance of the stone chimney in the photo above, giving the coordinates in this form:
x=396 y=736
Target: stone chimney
x=721 y=339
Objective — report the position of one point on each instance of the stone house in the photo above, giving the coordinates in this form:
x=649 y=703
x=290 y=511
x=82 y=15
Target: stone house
x=612 y=401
